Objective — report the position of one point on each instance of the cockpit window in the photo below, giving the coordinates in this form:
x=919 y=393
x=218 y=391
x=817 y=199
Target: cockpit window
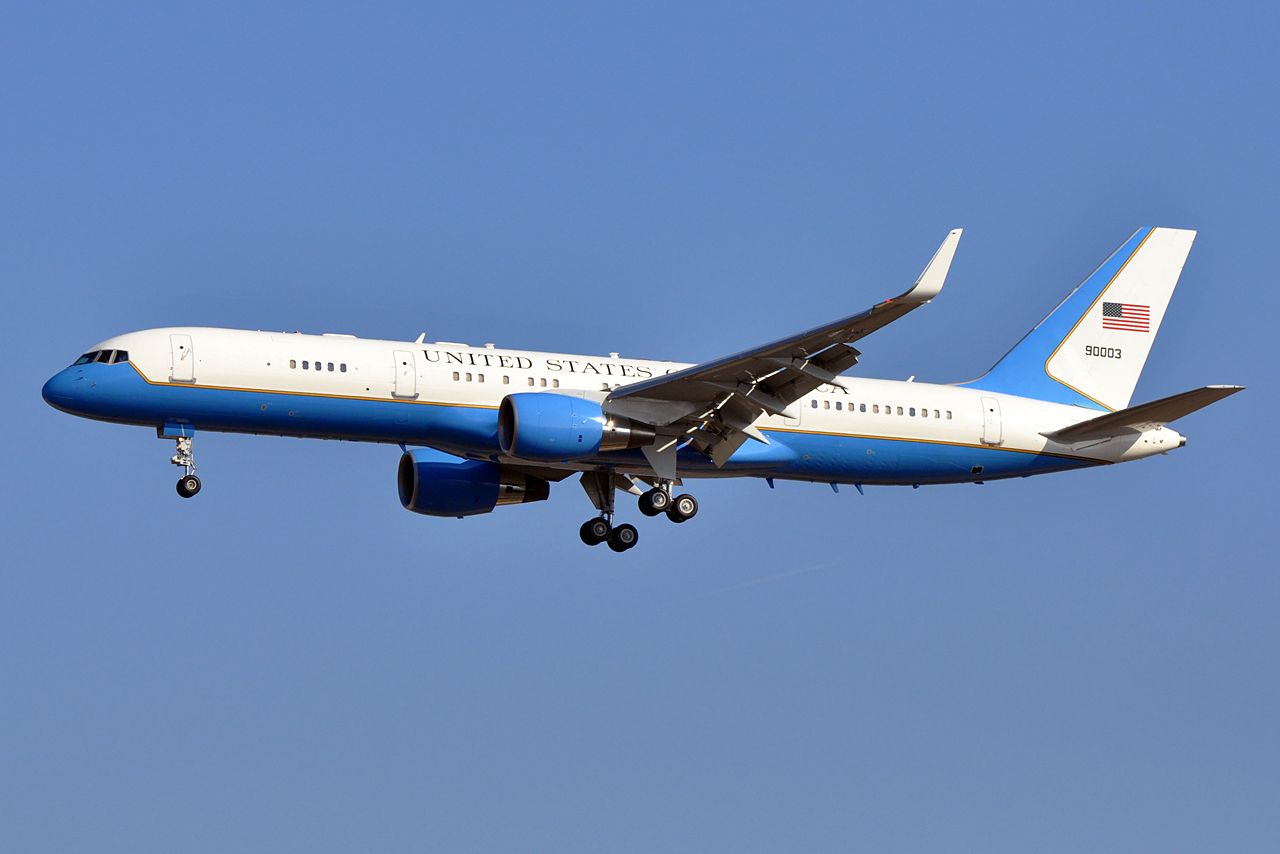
x=106 y=357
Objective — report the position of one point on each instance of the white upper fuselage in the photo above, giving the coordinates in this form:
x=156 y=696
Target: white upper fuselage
x=457 y=375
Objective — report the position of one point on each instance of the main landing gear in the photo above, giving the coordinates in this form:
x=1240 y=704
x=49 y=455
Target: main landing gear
x=188 y=484
x=658 y=501
x=600 y=489
x=598 y=530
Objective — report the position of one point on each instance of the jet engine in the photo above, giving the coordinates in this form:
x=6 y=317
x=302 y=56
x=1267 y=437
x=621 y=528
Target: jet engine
x=555 y=428
x=438 y=484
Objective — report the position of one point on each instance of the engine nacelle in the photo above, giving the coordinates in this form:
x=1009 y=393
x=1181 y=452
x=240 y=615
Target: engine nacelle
x=555 y=428
x=434 y=483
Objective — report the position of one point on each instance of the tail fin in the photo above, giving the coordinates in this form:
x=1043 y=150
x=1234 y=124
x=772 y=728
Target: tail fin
x=1090 y=350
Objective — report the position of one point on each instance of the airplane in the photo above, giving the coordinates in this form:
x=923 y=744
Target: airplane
x=487 y=427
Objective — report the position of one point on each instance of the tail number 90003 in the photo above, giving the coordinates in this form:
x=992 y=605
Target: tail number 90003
x=1102 y=352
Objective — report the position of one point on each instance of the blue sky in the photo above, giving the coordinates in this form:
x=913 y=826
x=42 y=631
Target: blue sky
x=291 y=662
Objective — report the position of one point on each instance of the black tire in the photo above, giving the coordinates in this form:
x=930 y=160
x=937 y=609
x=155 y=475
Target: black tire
x=683 y=508
x=188 y=485
x=655 y=502
x=594 y=531
x=623 y=537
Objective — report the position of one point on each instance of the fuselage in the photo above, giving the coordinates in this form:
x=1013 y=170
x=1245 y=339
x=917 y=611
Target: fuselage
x=447 y=395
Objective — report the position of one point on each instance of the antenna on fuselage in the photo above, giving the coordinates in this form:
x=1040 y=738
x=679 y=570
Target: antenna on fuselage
x=421 y=337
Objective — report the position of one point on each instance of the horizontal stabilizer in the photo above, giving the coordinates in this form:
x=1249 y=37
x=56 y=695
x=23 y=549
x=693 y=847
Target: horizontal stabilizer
x=1144 y=416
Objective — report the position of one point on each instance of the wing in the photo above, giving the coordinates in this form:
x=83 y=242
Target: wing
x=715 y=405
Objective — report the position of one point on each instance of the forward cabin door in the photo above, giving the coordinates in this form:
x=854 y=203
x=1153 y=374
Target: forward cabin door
x=992 y=430
x=182 y=359
x=406 y=383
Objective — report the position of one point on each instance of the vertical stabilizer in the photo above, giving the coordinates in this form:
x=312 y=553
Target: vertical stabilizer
x=1090 y=350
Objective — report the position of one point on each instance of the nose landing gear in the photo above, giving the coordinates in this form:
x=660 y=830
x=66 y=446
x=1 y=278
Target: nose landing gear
x=188 y=484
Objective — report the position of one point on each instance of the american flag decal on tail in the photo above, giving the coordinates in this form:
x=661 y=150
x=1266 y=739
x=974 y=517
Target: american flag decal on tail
x=1127 y=316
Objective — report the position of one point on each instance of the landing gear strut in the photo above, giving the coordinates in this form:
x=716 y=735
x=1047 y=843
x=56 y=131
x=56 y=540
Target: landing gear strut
x=188 y=484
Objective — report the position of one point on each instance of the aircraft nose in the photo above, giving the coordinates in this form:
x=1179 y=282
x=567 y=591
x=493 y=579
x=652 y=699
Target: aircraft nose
x=59 y=391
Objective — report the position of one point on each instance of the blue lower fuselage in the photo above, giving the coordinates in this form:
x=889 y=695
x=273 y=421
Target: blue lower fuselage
x=119 y=393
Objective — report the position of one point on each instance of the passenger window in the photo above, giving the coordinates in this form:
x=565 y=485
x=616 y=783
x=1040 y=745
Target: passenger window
x=875 y=409
x=306 y=365
x=455 y=376
x=342 y=368
x=319 y=366
x=814 y=403
x=331 y=366
x=555 y=383
x=899 y=410
x=935 y=414
x=543 y=382
x=913 y=412
x=293 y=363
x=826 y=404
x=948 y=414
x=468 y=376
x=862 y=407
x=839 y=406
x=506 y=379
x=530 y=382
x=479 y=378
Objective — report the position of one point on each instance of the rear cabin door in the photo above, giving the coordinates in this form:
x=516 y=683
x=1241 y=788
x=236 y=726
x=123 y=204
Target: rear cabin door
x=992 y=429
x=182 y=359
x=406 y=383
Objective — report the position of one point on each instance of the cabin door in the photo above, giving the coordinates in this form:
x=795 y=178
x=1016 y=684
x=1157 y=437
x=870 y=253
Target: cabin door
x=406 y=383
x=992 y=430
x=182 y=359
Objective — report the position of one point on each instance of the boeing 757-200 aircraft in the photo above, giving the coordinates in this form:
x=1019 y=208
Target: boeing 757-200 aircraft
x=483 y=427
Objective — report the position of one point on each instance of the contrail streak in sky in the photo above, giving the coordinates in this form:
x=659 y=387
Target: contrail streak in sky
x=755 y=582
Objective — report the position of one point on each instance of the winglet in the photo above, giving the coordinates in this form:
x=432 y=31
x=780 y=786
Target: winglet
x=929 y=285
